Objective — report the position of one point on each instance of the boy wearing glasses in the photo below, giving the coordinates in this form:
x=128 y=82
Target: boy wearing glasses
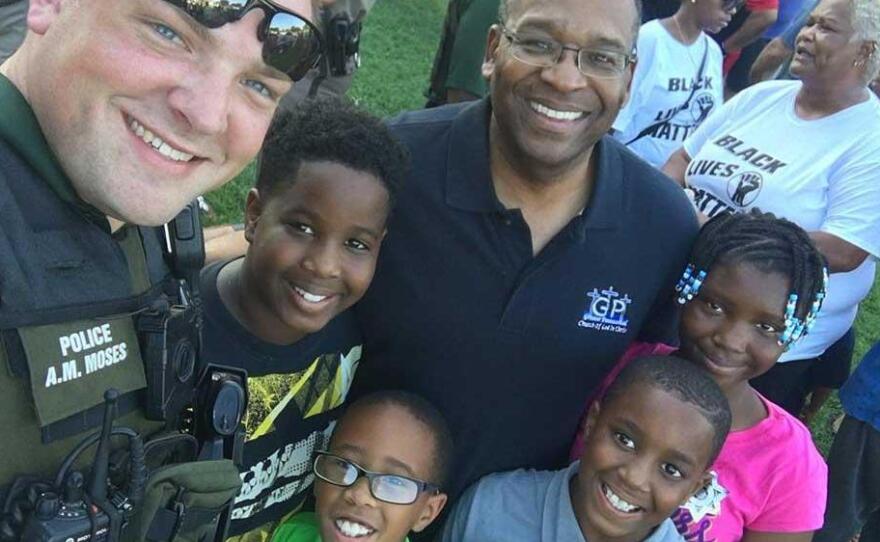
x=314 y=222
x=381 y=476
x=649 y=444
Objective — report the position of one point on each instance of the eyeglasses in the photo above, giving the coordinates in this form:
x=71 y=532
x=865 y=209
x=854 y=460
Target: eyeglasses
x=544 y=52
x=390 y=488
x=291 y=44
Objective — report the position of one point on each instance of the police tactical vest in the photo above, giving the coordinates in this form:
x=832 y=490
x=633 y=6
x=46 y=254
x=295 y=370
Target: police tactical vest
x=68 y=290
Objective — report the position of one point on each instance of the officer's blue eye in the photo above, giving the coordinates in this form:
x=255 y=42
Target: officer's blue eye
x=259 y=87
x=167 y=33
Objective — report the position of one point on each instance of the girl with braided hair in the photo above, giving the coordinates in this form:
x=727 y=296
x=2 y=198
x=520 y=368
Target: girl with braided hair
x=752 y=289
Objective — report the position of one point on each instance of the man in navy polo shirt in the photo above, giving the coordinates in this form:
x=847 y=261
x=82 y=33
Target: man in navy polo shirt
x=527 y=250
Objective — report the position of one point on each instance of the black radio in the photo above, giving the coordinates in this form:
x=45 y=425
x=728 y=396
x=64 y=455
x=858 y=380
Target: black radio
x=70 y=511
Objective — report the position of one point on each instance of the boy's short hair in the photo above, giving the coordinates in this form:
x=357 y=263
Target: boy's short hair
x=424 y=412
x=686 y=381
x=332 y=130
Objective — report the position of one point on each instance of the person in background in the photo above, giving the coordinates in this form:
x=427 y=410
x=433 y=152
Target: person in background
x=775 y=57
x=853 y=468
x=804 y=150
x=658 y=9
x=341 y=25
x=677 y=82
x=456 y=75
x=12 y=26
x=742 y=40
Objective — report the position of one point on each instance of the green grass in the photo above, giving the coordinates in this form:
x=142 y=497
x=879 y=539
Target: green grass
x=398 y=47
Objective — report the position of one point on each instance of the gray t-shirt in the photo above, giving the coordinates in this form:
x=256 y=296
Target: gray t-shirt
x=525 y=506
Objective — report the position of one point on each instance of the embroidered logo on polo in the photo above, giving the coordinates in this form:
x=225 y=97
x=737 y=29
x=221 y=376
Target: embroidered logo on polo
x=691 y=519
x=606 y=311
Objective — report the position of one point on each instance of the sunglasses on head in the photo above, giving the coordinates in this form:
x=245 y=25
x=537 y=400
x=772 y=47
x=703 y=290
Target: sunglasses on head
x=291 y=44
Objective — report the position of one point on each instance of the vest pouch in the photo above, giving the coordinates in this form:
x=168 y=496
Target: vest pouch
x=71 y=364
x=185 y=502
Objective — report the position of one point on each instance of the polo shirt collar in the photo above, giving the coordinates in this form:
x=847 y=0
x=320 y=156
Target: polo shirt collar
x=605 y=209
x=20 y=129
x=469 y=174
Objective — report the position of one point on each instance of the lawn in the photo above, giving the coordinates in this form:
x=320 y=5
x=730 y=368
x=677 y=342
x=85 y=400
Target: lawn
x=399 y=42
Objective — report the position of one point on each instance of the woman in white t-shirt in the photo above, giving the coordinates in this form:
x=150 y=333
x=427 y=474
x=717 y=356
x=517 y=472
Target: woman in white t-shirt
x=808 y=151
x=677 y=82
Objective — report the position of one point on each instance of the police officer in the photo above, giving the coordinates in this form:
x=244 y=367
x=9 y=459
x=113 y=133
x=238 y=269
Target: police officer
x=341 y=24
x=114 y=115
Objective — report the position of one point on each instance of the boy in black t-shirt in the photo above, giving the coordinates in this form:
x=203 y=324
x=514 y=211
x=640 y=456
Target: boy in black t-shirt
x=326 y=179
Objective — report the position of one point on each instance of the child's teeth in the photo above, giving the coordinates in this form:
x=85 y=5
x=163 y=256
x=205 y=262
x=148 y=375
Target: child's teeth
x=617 y=502
x=308 y=296
x=352 y=529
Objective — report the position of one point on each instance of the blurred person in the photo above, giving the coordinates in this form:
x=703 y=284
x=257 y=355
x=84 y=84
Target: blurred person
x=456 y=75
x=775 y=57
x=742 y=40
x=678 y=81
x=341 y=22
x=12 y=26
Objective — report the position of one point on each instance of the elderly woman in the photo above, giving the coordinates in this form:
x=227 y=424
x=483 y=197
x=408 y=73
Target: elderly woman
x=808 y=151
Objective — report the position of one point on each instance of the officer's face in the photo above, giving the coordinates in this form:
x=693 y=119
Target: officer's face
x=145 y=108
x=313 y=248
x=552 y=116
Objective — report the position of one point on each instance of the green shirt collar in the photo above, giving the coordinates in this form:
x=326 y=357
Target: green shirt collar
x=20 y=129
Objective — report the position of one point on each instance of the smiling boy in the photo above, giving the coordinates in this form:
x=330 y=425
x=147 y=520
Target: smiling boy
x=381 y=476
x=649 y=445
x=315 y=221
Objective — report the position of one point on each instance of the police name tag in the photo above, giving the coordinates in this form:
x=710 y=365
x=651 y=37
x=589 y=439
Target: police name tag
x=72 y=364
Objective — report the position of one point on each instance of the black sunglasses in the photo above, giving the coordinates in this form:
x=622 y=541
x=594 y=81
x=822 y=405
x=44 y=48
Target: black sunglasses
x=390 y=488
x=291 y=44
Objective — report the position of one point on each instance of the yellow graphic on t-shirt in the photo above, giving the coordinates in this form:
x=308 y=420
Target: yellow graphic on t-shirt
x=322 y=386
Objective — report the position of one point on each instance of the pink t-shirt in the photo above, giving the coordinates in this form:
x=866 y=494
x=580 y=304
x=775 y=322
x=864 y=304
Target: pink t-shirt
x=770 y=478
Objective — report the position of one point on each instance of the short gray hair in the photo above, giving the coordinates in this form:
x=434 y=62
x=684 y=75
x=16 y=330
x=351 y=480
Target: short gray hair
x=866 y=23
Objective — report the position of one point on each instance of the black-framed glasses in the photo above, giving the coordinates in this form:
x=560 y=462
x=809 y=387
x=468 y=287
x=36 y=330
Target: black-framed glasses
x=545 y=52
x=390 y=488
x=291 y=44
